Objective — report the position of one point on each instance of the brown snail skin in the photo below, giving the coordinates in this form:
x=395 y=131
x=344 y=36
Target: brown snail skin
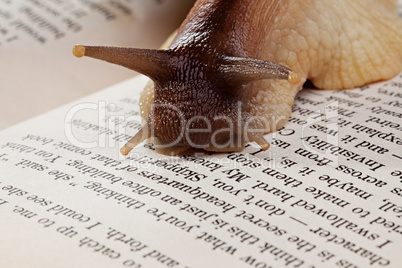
x=231 y=73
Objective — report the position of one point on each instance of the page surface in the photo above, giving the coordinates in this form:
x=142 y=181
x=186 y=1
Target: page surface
x=326 y=194
x=38 y=71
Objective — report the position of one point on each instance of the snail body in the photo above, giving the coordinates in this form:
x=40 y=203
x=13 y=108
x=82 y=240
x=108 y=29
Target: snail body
x=231 y=73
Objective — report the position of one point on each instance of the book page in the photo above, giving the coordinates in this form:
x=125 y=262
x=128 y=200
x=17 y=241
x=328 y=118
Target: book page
x=38 y=71
x=326 y=194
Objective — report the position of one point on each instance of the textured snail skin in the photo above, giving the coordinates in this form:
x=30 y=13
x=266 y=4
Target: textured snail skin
x=210 y=77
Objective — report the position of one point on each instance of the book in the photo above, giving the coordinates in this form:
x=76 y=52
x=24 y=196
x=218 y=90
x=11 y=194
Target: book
x=326 y=194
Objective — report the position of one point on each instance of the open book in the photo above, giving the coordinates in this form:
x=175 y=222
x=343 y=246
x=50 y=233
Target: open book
x=326 y=194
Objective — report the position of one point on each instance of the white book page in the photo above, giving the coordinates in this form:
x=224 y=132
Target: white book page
x=326 y=194
x=38 y=71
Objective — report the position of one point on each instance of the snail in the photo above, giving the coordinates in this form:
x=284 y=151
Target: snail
x=232 y=71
